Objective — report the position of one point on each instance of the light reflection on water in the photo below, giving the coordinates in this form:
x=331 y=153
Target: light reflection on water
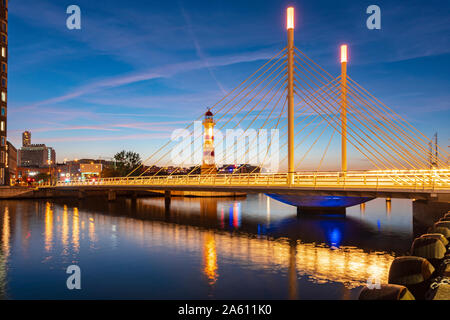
x=201 y=248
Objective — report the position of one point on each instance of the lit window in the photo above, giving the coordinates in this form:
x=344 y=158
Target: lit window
x=3 y=52
x=3 y=96
x=2 y=126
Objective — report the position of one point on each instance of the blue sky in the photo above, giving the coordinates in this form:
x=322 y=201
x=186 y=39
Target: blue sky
x=139 y=69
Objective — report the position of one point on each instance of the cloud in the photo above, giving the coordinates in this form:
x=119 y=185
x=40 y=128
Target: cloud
x=154 y=73
x=198 y=49
x=132 y=137
x=145 y=126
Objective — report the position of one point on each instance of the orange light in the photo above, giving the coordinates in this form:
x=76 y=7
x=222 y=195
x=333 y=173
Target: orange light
x=344 y=53
x=290 y=18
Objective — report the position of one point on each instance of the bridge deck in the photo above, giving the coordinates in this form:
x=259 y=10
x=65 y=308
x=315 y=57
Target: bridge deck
x=403 y=184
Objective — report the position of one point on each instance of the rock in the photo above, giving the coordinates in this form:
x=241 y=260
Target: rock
x=431 y=249
x=446 y=272
x=442 y=230
x=428 y=248
x=442 y=292
x=438 y=236
x=413 y=273
x=386 y=292
x=445 y=224
x=439 y=290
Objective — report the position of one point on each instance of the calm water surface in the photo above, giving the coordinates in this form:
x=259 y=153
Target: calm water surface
x=249 y=248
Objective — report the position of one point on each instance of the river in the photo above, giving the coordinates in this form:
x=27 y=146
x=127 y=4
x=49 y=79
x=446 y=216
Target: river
x=202 y=248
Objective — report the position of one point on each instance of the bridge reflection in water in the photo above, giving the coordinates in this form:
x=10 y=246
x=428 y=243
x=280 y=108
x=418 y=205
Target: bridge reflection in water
x=219 y=229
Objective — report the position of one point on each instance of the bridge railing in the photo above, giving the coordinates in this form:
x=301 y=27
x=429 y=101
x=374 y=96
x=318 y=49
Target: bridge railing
x=382 y=179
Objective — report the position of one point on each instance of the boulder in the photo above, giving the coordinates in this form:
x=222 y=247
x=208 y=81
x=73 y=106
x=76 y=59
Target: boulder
x=442 y=230
x=438 y=236
x=431 y=249
x=386 y=292
x=412 y=272
x=445 y=224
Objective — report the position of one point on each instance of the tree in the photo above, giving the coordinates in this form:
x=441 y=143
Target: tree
x=110 y=172
x=127 y=161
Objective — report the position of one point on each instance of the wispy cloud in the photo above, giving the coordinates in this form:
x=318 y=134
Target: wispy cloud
x=131 y=137
x=154 y=73
x=198 y=49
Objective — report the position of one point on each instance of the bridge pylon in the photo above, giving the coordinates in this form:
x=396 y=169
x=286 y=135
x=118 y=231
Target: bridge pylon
x=344 y=59
x=290 y=92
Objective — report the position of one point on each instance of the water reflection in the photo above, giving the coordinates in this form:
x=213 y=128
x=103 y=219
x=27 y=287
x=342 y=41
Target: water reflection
x=210 y=258
x=48 y=227
x=220 y=239
x=388 y=207
x=76 y=230
x=91 y=231
x=65 y=231
x=5 y=251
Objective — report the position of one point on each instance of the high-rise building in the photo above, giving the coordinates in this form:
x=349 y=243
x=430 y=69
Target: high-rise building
x=26 y=139
x=3 y=88
x=37 y=155
x=11 y=172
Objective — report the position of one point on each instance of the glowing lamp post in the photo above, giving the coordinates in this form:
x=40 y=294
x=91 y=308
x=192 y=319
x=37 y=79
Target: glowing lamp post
x=344 y=59
x=290 y=92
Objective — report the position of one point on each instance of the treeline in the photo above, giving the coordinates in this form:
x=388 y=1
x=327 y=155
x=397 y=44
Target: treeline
x=124 y=163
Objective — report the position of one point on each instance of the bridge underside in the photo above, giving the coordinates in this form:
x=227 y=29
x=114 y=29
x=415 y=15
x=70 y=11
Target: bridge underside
x=280 y=190
x=319 y=203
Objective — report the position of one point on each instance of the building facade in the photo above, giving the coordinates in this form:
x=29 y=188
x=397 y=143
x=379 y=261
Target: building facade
x=29 y=174
x=3 y=90
x=11 y=174
x=37 y=155
x=26 y=139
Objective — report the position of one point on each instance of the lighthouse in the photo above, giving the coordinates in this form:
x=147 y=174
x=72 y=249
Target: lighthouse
x=208 y=162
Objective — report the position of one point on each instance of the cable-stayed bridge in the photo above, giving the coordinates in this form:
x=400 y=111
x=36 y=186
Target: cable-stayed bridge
x=291 y=118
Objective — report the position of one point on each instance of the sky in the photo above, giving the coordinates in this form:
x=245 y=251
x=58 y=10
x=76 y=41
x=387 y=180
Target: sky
x=137 y=70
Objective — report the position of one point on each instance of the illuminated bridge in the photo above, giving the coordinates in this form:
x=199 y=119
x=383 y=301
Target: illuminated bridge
x=396 y=184
x=291 y=110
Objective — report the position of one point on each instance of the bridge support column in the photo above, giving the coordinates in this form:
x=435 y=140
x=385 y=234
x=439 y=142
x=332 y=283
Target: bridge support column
x=290 y=93
x=344 y=108
x=167 y=200
x=426 y=213
x=112 y=195
x=80 y=194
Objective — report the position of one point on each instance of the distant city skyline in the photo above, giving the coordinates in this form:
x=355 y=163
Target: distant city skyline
x=136 y=71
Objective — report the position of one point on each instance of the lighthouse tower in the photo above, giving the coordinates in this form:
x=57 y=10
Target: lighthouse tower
x=208 y=162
